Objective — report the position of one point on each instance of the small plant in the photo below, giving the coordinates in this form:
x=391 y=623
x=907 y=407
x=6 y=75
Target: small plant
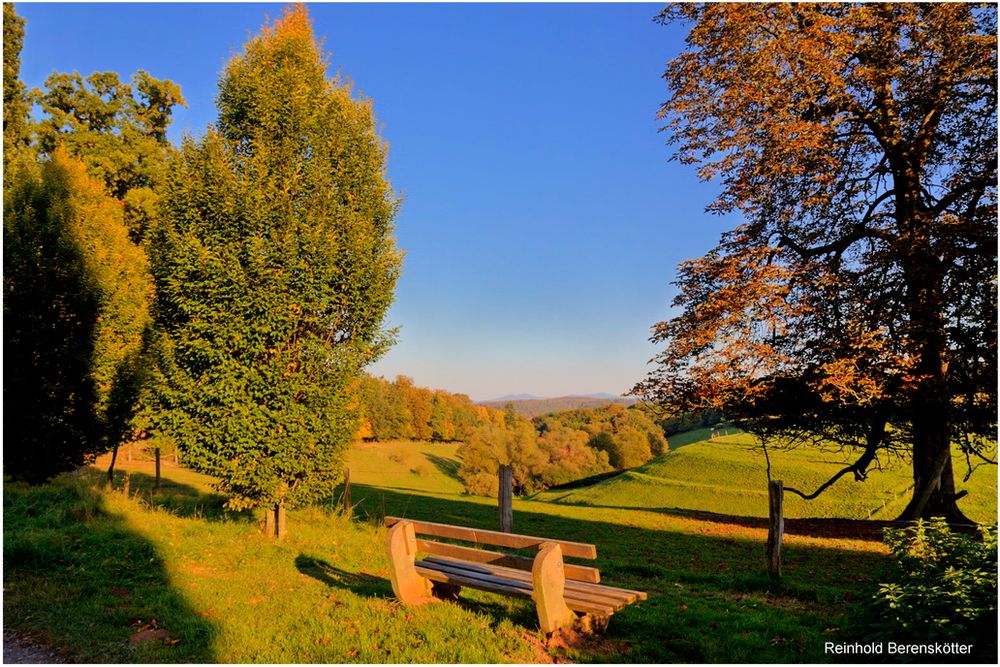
x=421 y=469
x=945 y=587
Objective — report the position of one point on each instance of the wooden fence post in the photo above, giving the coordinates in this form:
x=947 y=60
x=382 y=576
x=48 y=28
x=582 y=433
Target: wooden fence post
x=156 y=485
x=505 y=474
x=775 y=526
x=347 y=492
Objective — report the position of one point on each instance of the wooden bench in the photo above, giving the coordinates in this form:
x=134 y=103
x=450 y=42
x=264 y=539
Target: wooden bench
x=559 y=590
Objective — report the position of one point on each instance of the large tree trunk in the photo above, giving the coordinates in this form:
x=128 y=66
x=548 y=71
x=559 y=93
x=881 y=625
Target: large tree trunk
x=930 y=398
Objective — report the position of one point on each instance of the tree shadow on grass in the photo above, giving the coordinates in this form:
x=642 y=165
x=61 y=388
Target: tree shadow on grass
x=76 y=578
x=448 y=467
x=176 y=497
x=359 y=583
x=710 y=598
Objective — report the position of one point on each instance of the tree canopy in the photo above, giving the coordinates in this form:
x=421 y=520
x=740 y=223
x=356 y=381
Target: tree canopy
x=275 y=265
x=856 y=304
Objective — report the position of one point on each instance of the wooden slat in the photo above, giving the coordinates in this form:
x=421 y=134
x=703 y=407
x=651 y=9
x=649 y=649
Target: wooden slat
x=472 y=582
x=572 y=597
x=487 y=582
x=617 y=597
x=512 y=540
x=579 y=572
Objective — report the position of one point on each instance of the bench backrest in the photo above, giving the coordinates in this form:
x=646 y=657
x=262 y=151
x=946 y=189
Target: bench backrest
x=496 y=538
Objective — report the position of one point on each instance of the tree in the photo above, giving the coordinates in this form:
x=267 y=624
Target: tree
x=627 y=448
x=275 y=266
x=491 y=446
x=15 y=103
x=569 y=456
x=857 y=302
x=118 y=130
x=77 y=294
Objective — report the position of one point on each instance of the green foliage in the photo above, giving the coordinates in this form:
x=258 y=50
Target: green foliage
x=77 y=294
x=944 y=588
x=570 y=457
x=438 y=415
x=492 y=446
x=15 y=103
x=275 y=265
x=118 y=130
x=627 y=435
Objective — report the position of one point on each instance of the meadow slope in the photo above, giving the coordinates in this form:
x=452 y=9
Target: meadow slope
x=173 y=577
x=727 y=475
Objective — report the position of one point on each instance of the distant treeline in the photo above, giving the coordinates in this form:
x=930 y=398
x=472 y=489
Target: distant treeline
x=398 y=410
x=549 y=450
x=537 y=407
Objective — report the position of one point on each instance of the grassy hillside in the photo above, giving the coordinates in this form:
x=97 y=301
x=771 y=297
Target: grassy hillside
x=89 y=570
x=727 y=475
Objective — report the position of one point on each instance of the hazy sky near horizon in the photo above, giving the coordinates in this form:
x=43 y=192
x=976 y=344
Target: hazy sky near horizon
x=541 y=219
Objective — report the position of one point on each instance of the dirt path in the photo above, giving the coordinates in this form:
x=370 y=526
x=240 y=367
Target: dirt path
x=18 y=649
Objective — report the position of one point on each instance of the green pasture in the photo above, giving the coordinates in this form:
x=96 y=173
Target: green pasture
x=727 y=475
x=171 y=576
x=92 y=572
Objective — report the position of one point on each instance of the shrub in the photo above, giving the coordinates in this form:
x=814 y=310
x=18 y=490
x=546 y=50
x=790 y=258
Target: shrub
x=945 y=588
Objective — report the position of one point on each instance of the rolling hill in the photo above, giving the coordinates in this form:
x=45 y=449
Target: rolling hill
x=536 y=407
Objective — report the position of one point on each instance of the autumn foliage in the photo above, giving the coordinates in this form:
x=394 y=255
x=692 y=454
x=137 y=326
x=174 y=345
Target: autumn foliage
x=856 y=304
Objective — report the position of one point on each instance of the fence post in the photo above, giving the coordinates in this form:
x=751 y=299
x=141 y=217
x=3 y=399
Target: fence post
x=775 y=527
x=156 y=485
x=347 y=491
x=506 y=488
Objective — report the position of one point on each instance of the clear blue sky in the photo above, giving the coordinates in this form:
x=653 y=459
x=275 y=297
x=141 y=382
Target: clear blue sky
x=542 y=221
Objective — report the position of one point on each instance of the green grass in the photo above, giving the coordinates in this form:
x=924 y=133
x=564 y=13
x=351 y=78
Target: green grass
x=86 y=568
x=727 y=475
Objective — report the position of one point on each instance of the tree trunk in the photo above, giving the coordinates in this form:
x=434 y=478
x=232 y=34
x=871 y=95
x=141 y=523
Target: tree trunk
x=156 y=485
x=274 y=521
x=930 y=399
x=269 y=522
x=279 y=516
x=111 y=468
x=775 y=526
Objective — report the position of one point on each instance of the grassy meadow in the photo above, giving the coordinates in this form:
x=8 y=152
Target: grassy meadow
x=104 y=576
x=727 y=475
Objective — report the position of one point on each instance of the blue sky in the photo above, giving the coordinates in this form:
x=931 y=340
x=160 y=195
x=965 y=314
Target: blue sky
x=542 y=220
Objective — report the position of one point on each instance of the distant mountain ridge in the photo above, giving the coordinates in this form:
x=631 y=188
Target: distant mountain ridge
x=533 y=406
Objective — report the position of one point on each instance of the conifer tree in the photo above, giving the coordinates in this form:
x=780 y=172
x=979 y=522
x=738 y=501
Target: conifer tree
x=275 y=265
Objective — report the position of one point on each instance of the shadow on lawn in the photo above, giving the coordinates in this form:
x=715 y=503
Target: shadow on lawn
x=76 y=578
x=359 y=583
x=710 y=597
x=448 y=467
x=180 y=499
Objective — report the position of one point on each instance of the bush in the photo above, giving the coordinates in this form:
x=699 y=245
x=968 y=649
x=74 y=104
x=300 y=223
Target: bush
x=945 y=588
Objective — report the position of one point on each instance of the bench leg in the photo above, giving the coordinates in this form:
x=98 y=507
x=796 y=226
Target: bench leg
x=549 y=583
x=401 y=548
x=443 y=591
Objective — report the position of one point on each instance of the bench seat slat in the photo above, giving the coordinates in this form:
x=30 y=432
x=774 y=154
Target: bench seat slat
x=616 y=597
x=492 y=583
x=479 y=536
x=578 y=572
